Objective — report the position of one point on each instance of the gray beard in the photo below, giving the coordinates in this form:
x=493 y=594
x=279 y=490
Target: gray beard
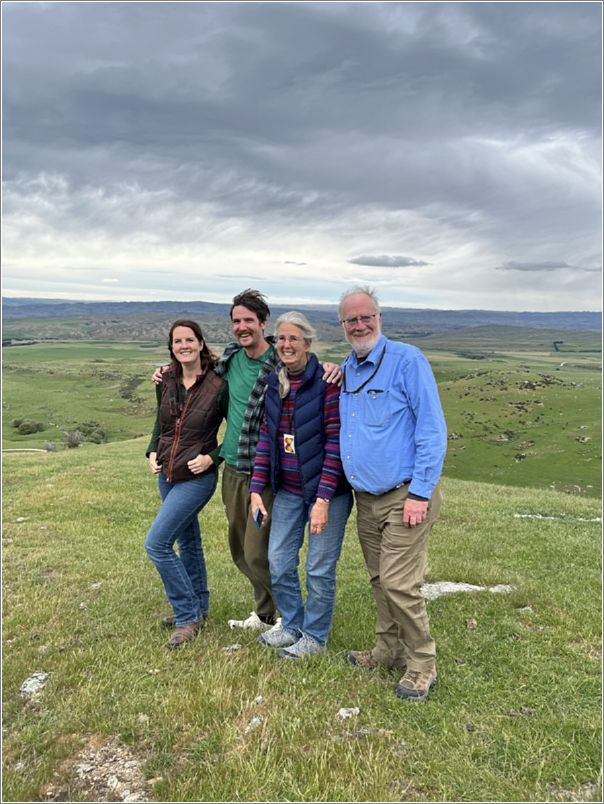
x=362 y=350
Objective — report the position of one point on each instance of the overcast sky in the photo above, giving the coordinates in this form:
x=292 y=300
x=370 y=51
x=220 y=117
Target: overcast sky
x=449 y=154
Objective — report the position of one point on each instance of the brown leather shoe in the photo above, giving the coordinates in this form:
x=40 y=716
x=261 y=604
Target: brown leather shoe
x=362 y=658
x=415 y=685
x=170 y=620
x=366 y=660
x=184 y=633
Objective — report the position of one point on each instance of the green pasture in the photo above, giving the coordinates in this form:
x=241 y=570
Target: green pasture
x=519 y=418
x=523 y=423
x=515 y=716
x=64 y=383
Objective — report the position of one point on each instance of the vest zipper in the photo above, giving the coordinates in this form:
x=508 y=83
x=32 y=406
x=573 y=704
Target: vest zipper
x=176 y=440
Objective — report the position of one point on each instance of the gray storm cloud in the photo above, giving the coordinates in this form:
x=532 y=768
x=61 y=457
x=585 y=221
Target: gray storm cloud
x=385 y=261
x=212 y=139
x=541 y=266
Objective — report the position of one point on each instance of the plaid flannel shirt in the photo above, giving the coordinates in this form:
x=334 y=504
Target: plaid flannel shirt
x=252 y=418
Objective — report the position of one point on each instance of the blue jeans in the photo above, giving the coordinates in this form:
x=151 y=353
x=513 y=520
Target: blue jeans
x=184 y=576
x=289 y=517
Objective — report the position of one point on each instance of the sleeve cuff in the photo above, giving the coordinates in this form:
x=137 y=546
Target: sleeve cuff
x=412 y=496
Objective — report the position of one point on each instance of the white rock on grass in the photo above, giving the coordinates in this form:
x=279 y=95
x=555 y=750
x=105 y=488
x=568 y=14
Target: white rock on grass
x=232 y=648
x=33 y=686
x=253 y=724
x=433 y=590
x=344 y=713
x=562 y=518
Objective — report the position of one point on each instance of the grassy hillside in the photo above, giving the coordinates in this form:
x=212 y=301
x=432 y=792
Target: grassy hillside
x=517 y=418
x=515 y=715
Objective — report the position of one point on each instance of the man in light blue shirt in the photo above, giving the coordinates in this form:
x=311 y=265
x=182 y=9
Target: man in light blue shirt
x=393 y=440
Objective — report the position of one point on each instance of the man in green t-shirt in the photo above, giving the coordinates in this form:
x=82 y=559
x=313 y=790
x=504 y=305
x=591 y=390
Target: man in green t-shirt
x=246 y=363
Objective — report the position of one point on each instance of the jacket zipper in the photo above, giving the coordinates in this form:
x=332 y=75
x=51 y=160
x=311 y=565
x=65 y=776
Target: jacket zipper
x=179 y=422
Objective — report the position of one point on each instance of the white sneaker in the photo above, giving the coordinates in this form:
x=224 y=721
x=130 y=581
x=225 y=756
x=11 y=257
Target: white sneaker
x=305 y=646
x=278 y=636
x=252 y=623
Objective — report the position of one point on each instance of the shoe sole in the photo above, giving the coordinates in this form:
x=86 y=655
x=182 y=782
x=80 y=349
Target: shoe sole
x=285 y=654
x=402 y=693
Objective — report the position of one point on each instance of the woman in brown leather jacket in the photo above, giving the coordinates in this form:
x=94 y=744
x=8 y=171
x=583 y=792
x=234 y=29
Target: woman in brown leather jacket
x=183 y=452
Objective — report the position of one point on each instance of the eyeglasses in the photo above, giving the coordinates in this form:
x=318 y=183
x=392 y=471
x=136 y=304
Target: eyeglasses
x=289 y=339
x=363 y=319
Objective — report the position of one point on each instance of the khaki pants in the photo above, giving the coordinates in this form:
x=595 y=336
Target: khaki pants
x=249 y=544
x=396 y=560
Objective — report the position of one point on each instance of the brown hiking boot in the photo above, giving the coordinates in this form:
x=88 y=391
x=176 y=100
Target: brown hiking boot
x=415 y=685
x=170 y=621
x=366 y=659
x=184 y=633
x=362 y=658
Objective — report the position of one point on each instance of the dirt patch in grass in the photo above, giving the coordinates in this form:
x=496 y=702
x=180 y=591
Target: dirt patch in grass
x=590 y=791
x=102 y=771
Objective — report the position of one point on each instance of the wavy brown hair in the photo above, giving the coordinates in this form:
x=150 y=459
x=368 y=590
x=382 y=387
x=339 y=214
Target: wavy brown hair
x=207 y=358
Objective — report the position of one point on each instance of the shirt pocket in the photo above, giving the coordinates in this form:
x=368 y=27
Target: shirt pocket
x=378 y=408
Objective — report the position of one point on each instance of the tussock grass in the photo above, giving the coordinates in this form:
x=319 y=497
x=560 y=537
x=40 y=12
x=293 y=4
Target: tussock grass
x=515 y=715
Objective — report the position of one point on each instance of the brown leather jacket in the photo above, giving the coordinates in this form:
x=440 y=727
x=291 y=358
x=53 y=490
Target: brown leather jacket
x=188 y=430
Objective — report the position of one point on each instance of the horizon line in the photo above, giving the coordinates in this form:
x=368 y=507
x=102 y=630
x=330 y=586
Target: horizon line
x=58 y=300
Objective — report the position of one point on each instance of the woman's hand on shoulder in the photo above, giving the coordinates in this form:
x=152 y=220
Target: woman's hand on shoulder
x=332 y=373
x=153 y=464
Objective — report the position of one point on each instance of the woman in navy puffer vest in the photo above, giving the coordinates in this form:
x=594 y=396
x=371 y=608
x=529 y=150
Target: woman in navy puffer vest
x=298 y=454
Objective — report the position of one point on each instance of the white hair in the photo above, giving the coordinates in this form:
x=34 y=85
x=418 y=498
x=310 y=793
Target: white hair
x=308 y=333
x=298 y=320
x=365 y=290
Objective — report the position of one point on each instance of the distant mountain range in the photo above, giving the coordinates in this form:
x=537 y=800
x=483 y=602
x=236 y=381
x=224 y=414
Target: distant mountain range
x=410 y=320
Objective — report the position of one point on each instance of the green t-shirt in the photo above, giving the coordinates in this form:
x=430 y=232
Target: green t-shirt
x=241 y=376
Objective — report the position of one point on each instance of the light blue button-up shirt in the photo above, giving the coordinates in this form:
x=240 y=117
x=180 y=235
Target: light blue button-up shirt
x=393 y=428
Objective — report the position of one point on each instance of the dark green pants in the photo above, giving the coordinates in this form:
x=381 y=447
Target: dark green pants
x=249 y=544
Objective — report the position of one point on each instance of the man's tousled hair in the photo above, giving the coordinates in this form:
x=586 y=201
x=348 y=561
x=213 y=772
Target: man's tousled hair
x=253 y=300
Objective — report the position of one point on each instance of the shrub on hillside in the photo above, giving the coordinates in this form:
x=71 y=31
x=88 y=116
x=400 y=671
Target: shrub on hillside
x=29 y=426
x=93 y=432
x=73 y=439
x=50 y=446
